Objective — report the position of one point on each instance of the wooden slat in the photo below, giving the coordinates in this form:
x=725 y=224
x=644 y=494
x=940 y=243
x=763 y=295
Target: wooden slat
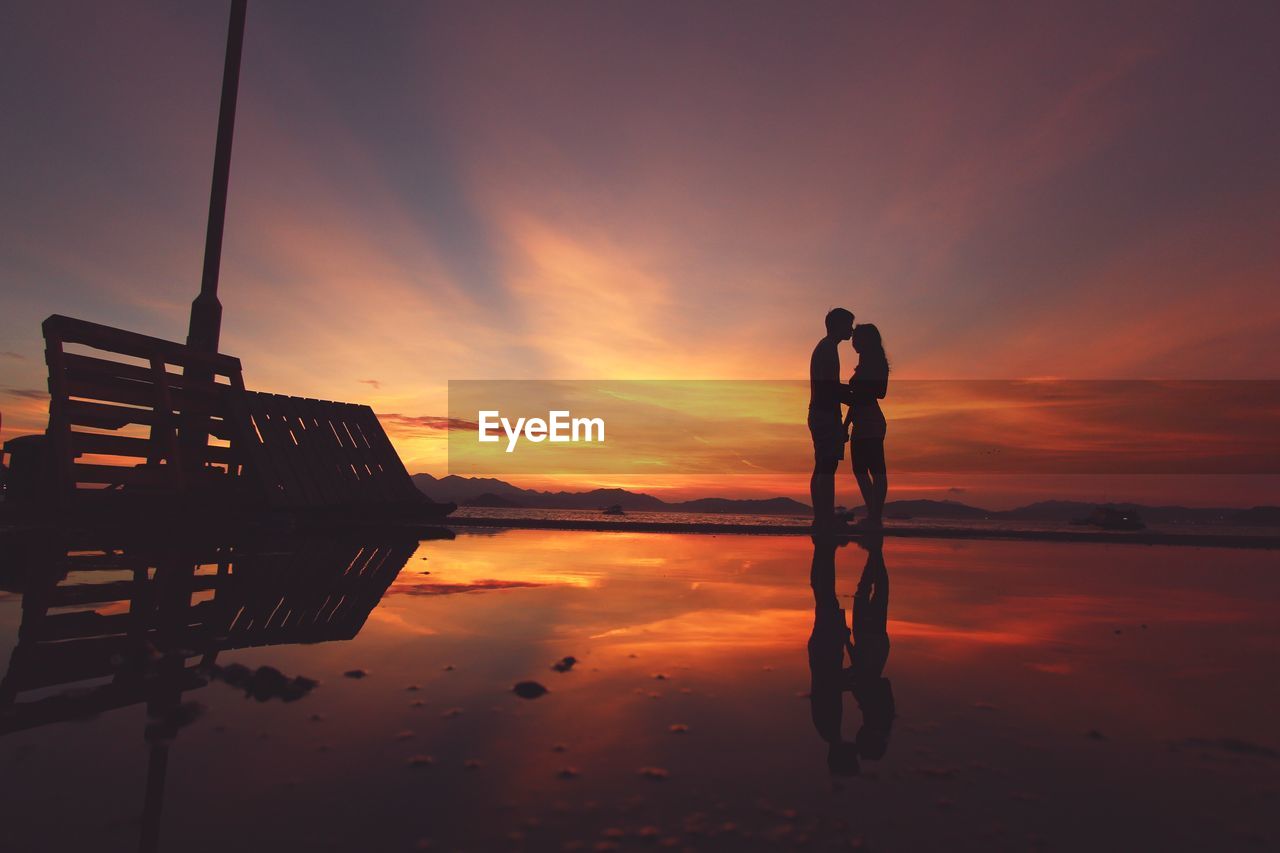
x=351 y=458
x=59 y=429
x=105 y=415
x=110 y=445
x=141 y=448
x=134 y=393
x=250 y=450
x=342 y=479
x=308 y=453
x=65 y=595
x=395 y=473
x=278 y=442
x=71 y=330
x=359 y=453
x=164 y=434
x=84 y=472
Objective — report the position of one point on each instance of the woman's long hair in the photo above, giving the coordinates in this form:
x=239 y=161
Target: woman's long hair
x=870 y=348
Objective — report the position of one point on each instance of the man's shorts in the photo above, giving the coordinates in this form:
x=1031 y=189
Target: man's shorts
x=829 y=437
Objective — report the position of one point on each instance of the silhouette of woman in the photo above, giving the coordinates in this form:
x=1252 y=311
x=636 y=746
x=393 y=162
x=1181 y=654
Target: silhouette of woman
x=867 y=387
x=869 y=652
x=867 y=647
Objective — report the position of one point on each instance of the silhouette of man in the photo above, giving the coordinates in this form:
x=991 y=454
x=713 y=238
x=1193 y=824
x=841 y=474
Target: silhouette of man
x=826 y=426
x=827 y=644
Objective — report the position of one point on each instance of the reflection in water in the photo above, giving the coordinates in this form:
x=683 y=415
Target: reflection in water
x=1013 y=663
x=151 y=619
x=867 y=646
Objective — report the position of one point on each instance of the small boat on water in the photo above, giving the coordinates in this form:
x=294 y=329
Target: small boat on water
x=1110 y=518
x=615 y=509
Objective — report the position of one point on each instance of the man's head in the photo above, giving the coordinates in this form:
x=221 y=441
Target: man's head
x=839 y=324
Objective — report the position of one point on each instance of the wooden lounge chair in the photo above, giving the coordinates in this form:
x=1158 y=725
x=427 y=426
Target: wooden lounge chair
x=137 y=420
x=116 y=412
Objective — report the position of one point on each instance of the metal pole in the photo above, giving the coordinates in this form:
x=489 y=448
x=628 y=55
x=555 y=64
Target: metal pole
x=206 y=310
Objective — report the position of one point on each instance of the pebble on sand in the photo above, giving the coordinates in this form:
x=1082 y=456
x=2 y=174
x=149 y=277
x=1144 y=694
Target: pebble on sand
x=416 y=703
x=558 y=747
x=678 y=728
x=528 y=689
x=1094 y=734
x=451 y=713
x=405 y=735
x=413 y=687
x=569 y=773
x=653 y=773
x=660 y=676
x=448 y=667
x=356 y=673
x=421 y=761
x=564 y=664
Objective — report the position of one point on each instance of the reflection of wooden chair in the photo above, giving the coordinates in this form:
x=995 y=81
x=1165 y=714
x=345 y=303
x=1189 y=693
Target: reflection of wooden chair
x=280 y=592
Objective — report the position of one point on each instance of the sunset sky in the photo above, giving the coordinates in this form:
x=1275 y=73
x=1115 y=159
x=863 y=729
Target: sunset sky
x=423 y=192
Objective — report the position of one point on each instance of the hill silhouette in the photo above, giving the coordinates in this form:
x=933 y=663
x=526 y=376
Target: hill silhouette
x=491 y=492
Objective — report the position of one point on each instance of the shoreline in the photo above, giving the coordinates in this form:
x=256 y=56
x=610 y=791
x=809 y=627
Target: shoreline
x=1140 y=537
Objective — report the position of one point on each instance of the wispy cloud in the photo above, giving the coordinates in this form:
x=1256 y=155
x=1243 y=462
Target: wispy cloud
x=409 y=424
x=27 y=393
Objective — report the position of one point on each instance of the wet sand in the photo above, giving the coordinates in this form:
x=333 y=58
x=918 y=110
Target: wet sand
x=1055 y=696
x=1202 y=539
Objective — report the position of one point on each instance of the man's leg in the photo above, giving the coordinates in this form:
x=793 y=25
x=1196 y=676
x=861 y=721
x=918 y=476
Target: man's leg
x=822 y=493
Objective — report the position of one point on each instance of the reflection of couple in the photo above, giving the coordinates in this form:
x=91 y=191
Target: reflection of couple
x=868 y=649
x=864 y=426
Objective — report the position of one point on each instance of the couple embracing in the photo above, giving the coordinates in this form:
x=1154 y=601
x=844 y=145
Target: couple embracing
x=863 y=428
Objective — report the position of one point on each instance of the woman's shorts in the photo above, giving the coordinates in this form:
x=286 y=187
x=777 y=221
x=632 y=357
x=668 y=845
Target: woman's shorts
x=868 y=423
x=866 y=453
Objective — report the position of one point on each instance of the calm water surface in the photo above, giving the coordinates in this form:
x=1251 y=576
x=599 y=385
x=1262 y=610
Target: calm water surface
x=1033 y=696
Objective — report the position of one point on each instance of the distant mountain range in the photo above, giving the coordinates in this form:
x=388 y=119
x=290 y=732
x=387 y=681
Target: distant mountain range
x=490 y=492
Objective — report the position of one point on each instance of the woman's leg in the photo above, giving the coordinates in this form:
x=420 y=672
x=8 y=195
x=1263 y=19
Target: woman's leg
x=862 y=473
x=880 y=476
x=869 y=468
